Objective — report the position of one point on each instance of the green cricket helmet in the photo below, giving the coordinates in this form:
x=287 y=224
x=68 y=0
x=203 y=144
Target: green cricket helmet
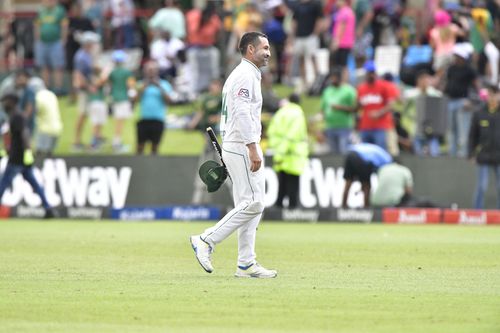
x=213 y=175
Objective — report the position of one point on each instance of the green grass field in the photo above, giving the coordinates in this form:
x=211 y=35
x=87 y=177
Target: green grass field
x=143 y=277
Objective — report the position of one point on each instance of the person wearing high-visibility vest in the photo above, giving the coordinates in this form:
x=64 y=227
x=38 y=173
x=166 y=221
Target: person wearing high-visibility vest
x=287 y=134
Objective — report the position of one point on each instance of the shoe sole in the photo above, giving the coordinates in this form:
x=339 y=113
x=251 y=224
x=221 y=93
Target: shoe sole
x=196 y=256
x=245 y=276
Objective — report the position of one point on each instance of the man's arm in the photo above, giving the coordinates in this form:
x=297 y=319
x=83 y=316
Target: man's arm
x=345 y=108
x=165 y=94
x=254 y=156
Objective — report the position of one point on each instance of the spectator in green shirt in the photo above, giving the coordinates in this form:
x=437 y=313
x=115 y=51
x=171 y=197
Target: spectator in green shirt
x=122 y=82
x=208 y=114
x=338 y=104
x=51 y=30
x=98 y=109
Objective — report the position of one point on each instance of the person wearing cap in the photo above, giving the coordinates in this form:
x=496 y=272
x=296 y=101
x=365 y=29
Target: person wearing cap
x=361 y=161
x=338 y=104
x=374 y=103
x=20 y=155
x=122 y=82
x=484 y=145
x=51 y=31
x=83 y=66
x=461 y=78
x=442 y=38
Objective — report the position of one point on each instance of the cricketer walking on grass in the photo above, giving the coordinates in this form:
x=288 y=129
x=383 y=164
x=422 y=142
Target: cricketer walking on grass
x=241 y=132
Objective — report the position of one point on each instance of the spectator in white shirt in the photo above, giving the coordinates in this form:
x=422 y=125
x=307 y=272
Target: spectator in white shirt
x=164 y=51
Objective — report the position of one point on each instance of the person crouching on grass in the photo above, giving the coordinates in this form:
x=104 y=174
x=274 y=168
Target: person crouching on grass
x=20 y=155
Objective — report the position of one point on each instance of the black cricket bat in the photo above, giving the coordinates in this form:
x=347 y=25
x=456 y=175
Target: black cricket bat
x=215 y=143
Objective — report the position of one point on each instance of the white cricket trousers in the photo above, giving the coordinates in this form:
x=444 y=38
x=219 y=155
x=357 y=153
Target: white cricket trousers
x=248 y=197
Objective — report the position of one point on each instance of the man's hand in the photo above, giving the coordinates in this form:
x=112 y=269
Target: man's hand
x=255 y=159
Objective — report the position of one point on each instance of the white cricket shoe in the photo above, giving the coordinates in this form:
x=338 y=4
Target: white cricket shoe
x=255 y=271
x=202 y=251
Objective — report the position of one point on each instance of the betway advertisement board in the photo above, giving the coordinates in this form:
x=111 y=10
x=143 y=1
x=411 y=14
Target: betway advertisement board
x=97 y=186
x=118 y=182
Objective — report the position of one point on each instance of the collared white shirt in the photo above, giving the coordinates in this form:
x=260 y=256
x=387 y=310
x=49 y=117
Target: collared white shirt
x=242 y=105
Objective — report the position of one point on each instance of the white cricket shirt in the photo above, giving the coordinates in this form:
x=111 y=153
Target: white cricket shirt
x=242 y=105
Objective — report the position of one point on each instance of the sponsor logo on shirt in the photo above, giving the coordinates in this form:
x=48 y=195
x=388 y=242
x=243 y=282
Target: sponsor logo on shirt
x=371 y=99
x=244 y=93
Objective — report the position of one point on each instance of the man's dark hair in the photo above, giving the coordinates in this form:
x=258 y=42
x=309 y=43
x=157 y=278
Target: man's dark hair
x=250 y=38
x=294 y=98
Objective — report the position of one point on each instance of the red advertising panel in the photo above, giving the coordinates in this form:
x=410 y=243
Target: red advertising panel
x=411 y=215
x=471 y=216
x=4 y=212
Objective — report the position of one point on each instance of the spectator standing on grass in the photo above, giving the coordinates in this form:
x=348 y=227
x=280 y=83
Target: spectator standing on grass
x=306 y=28
x=122 y=23
x=361 y=161
x=394 y=96
x=98 y=109
x=94 y=11
x=484 y=145
x=48 y=119
x=287 y=134
x=184 y=86
x=83 y=64
x=343 y=34
x=20 y=155
x=122 y=82
x=460 y=79
x=169 y=18
x=363 y=10
x=26 y=94
x=338 y=104
x=153 y=95
x=481 y=32
x=203 y=27
x=51 y=32
x=375 y=105
x=425 y=141
x=208 y=114
x=77 y=25
x=164 y=51
x=442 y=38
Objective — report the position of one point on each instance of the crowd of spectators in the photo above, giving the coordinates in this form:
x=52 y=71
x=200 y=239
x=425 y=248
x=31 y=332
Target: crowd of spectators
x=449 y=51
